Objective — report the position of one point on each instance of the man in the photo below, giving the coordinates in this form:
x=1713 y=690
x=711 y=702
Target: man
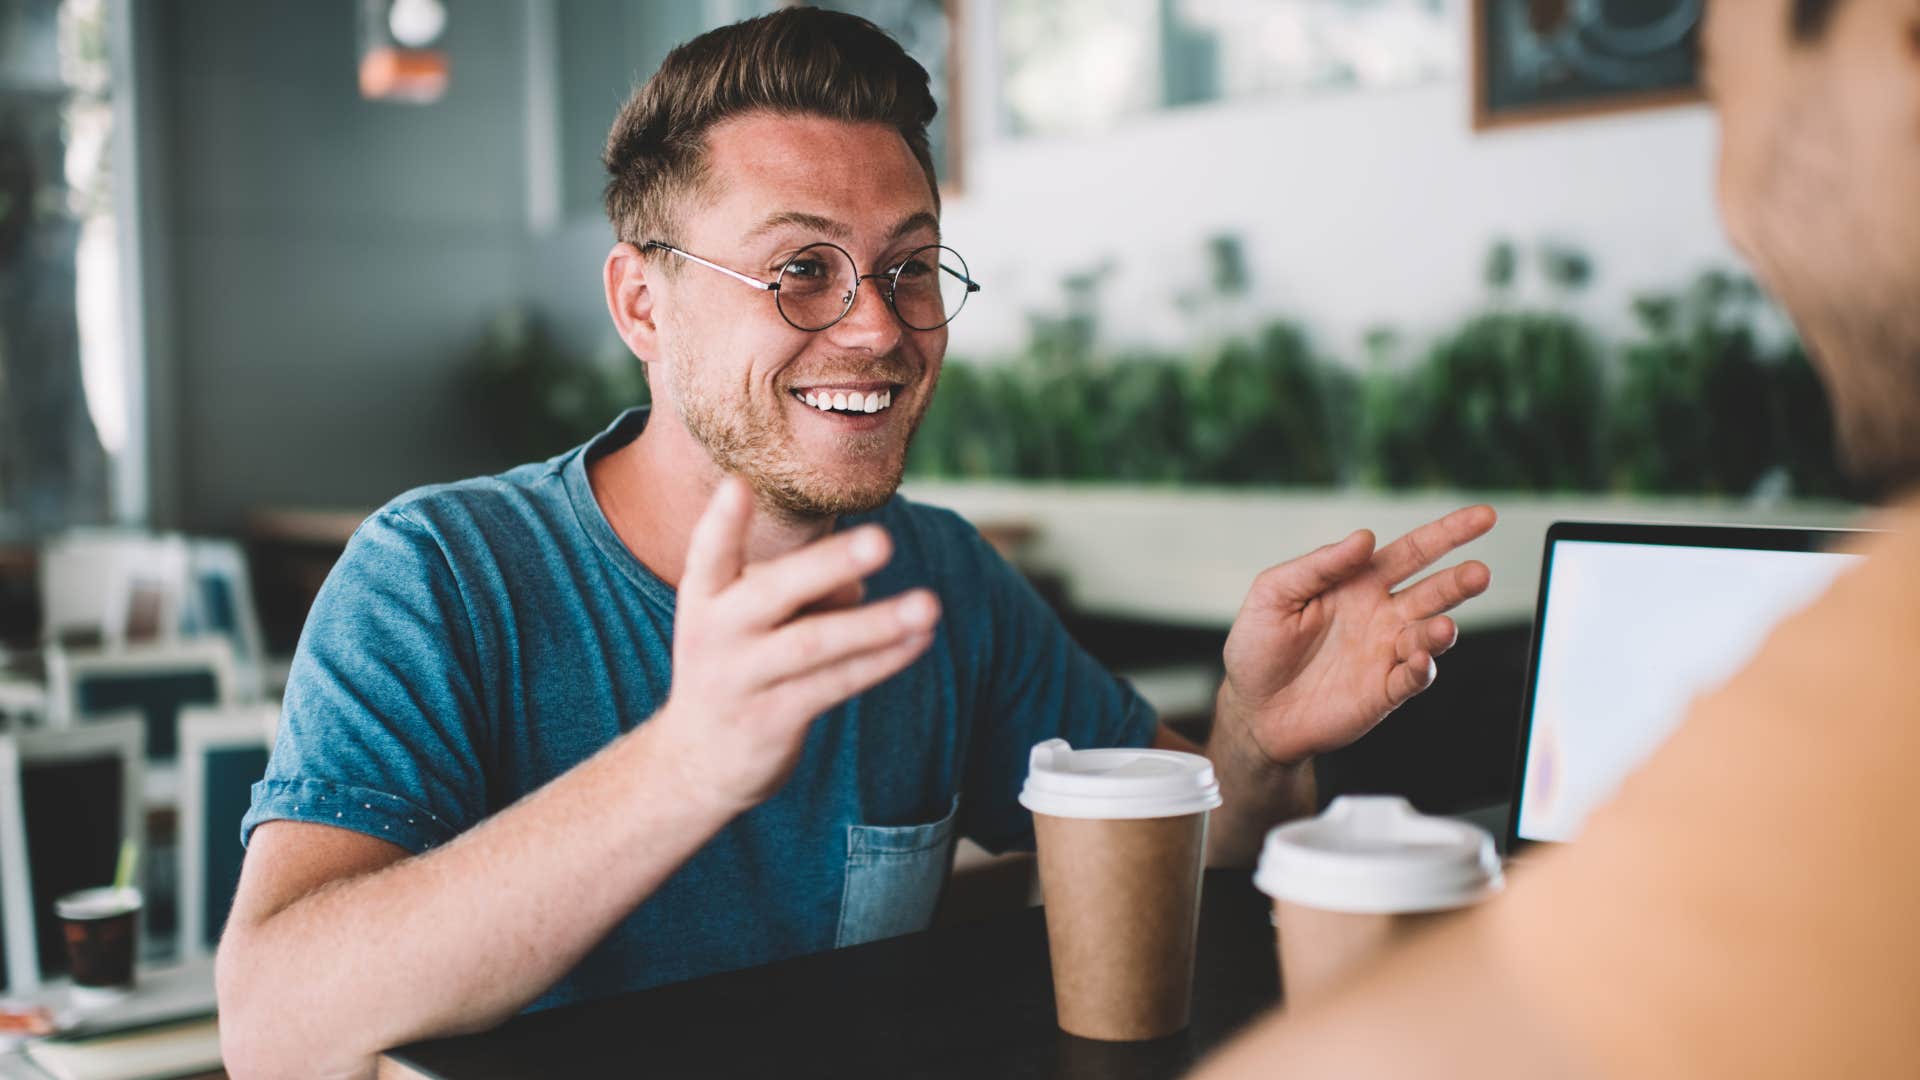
x=1746 y=906
x=703 y=693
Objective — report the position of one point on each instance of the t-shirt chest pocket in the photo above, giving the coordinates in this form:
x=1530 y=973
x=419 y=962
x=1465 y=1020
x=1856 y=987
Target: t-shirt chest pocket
x=894 y=877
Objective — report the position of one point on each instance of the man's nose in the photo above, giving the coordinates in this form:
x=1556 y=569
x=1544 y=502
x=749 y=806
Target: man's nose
x=870 y=324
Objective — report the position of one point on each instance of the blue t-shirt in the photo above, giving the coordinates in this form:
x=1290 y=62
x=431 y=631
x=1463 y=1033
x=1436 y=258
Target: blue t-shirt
x=479 y=639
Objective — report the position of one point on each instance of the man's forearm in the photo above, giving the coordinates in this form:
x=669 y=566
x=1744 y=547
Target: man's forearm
x=1257 y=792
x=460 y=938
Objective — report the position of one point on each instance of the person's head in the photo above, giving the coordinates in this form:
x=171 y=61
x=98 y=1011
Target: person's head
x=750 y=143
x=1819 y=105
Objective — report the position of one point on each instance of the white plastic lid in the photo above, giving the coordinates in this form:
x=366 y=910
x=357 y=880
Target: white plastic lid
x=1064 y=782
x=102 y=903
x=1378 y=855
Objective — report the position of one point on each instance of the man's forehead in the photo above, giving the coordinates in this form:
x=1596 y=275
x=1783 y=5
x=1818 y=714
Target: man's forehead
x=766 y=172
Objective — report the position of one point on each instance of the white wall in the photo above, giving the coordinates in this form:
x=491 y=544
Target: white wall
x=1355 y=209
x=329 y=262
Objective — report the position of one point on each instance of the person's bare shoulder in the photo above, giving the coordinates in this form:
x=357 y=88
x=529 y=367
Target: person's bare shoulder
x=1742 y=886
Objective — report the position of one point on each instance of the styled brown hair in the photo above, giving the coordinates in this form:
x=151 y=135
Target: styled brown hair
x=798 y=60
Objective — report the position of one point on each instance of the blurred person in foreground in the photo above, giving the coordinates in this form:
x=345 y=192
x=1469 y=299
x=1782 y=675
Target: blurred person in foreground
x=1748 y=905
x=705 y=692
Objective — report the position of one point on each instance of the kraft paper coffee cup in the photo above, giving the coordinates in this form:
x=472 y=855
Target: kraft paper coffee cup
x=1363 y=875
x=101 y=927
x=1123 y=841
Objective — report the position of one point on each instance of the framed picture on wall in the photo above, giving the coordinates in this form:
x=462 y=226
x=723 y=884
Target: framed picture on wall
x=930 y=32
x=1539 y=60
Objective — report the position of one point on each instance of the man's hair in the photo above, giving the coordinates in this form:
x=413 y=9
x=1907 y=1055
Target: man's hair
x=796 y=61
x=1810 y=17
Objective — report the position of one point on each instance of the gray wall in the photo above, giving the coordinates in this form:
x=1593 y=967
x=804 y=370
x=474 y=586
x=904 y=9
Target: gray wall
x=329 y=262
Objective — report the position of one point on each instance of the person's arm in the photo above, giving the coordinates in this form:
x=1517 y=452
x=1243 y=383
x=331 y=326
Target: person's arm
x=1444 y=1007
x=340 y=946
x=1321 y=651
x=1255 y=794
x=1742 y=904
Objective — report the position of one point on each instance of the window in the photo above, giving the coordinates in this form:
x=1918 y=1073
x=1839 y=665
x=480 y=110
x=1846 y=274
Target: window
x=1081 y=65
x=64 y=411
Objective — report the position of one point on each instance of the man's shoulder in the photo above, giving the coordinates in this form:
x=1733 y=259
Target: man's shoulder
x=1893 y=548
x=470 y=510
x=1876 y=605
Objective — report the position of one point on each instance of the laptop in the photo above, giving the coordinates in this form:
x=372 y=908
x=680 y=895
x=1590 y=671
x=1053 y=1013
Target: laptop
x=1633 y=622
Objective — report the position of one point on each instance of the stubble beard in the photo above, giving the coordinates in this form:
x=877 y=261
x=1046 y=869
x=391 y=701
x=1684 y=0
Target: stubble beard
x=1871 y=366
x=751 y=438
x=1851 y=283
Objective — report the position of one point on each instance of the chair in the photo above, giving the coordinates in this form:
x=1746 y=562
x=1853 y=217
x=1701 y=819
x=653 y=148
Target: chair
x=112 y=586
x=67 y=801
x=18 y=964
x=23 y=702
x=220 y=602
x=155 y=680
x=222 y=753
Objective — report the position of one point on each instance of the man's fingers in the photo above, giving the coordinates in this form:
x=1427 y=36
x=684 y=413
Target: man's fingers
x=815 y=643
x=846 y=596
x=1409 y=678
x=774 y=591
x=1444 y=591
x=1433 y=636
x=827 y=687
x=1293 y=584
x=717 y=549
x=1430 y=543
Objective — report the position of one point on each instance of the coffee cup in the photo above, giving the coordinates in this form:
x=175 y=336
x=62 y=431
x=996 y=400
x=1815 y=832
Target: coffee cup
x=1364 y=875
x=1122 y=838
x=101 y=927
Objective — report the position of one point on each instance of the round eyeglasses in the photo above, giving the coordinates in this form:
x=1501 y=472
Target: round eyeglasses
x=819 y=283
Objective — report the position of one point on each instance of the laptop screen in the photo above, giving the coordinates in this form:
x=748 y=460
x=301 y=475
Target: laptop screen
x=1634 y=622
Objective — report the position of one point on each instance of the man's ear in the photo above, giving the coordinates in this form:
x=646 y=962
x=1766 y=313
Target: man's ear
x=1913 y=31
x=630 y=297
x=1909 y=36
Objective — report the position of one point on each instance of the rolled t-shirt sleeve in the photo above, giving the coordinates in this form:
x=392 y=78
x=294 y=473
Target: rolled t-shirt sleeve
x=378 y=725
x=1038 y=684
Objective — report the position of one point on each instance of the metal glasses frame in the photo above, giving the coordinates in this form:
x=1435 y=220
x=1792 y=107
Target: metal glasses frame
x=891 y=278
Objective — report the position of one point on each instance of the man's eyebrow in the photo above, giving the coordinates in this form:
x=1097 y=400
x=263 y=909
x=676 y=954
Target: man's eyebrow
x=813 y=222
x=834 y=230
x=921 y=220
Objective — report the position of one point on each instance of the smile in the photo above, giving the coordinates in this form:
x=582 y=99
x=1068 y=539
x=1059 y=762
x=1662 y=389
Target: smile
x=837 y=399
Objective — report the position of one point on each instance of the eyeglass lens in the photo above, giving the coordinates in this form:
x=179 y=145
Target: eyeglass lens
x=817 y=287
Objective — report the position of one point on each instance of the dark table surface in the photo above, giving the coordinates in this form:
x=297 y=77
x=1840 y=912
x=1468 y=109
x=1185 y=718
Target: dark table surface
x=965 y=1001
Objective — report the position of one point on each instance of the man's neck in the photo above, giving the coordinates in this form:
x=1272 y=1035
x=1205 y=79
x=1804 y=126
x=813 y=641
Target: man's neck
x=654 y=489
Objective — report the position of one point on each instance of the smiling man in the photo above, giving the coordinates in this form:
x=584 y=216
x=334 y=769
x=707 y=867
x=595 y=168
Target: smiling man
x=704 y=692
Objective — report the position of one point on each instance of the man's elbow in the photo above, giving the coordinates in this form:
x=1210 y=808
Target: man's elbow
x=264 y=1031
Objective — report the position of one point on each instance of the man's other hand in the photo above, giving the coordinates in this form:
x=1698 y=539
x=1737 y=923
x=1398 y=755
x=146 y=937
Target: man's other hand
x=1324 y=648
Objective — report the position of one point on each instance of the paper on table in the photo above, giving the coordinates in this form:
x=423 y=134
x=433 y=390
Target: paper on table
x=137 y=1055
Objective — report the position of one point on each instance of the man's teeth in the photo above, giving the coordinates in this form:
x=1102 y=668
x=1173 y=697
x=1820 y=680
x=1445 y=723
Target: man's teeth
x=841 y=401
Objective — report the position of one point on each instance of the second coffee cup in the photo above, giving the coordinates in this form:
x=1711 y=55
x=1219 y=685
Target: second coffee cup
x=1122 y=837
x=1366 y=873
x=101 y=927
